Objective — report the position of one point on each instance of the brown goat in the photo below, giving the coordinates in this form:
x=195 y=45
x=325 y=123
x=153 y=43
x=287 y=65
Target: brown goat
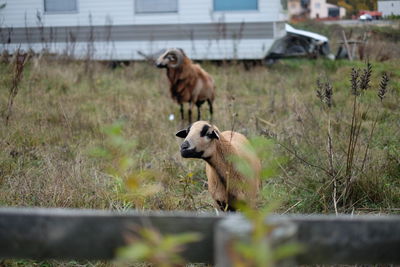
x=188 y=81
x=225 y=183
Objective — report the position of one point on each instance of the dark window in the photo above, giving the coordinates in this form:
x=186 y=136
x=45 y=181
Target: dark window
x=156 y=6
x=227 y=5
x=60 y=6
x=333 y=12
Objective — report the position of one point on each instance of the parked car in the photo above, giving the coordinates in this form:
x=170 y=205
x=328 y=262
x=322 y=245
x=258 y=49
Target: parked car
x=365 y=17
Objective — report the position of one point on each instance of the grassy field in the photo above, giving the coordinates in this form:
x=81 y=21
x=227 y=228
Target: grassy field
x=328 y=152
x=59 y=113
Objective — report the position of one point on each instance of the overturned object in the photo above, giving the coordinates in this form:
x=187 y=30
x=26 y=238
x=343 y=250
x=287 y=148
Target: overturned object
x=298 y=43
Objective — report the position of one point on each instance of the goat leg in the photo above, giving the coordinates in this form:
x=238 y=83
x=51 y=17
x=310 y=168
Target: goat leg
x=198 y=113
x=198 y=104
x=211 y=108
x=181 y=109
x=190 y=112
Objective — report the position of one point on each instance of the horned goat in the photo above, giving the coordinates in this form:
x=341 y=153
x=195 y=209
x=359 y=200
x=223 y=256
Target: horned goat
x=188 y=81
x=225 y=183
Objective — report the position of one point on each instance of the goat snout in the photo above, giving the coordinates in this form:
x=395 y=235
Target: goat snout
x=185 y=145
x=160 y=65
x=188 y=152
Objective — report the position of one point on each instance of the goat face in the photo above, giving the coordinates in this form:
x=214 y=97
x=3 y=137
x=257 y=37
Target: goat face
x=172 y=58
x=199 y=140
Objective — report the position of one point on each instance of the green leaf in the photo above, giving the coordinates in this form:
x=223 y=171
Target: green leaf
x=268 y=173
x=246 y=250
x=286 y=251
x=113 y=129
x=242 y=166
x=185 y=238
x=125 y=163
x=135 y=252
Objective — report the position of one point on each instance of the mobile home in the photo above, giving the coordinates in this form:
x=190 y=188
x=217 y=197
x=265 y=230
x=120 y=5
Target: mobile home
x=118 y=30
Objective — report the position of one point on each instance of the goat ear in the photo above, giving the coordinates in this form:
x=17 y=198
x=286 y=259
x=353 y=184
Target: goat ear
x=182 y=133
x=214 y=135
x=183 y=52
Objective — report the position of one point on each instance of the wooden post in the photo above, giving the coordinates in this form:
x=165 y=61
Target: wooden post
x=346 y=44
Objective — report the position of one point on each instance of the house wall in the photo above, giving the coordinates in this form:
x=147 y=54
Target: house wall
x=342 y=12
x=117 y=32
x=319 y=8
x=389 y=7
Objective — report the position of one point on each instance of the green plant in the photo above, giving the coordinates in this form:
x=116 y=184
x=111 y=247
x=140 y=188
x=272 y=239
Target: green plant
x=258 y=249
x=325 y=94
x=161 y=250
x=343 y=181
x=393 y=17
x=18 y=65
x=131 y=186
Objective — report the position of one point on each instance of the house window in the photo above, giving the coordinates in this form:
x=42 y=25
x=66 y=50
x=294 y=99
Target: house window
x=333 y=12
x=229 y=5
x=156 y=6
x=60 y=6
x=317 y=5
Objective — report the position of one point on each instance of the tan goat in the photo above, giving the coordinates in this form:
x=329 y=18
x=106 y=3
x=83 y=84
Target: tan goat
x=189 y=83
x=226 y=185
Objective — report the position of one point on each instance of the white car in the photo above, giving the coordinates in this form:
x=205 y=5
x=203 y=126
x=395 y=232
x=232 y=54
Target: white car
x=365 y=17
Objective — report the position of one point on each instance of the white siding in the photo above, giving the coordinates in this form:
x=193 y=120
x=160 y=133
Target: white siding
x=389 y=7
x=23 y=13
x=19 y=13
x=102 y=13
x=201 y=49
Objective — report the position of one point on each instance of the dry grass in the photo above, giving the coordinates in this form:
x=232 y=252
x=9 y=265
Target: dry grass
x=58 y=117
x=382 y=41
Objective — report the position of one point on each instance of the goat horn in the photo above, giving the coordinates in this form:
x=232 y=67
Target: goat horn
x=179 y=57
